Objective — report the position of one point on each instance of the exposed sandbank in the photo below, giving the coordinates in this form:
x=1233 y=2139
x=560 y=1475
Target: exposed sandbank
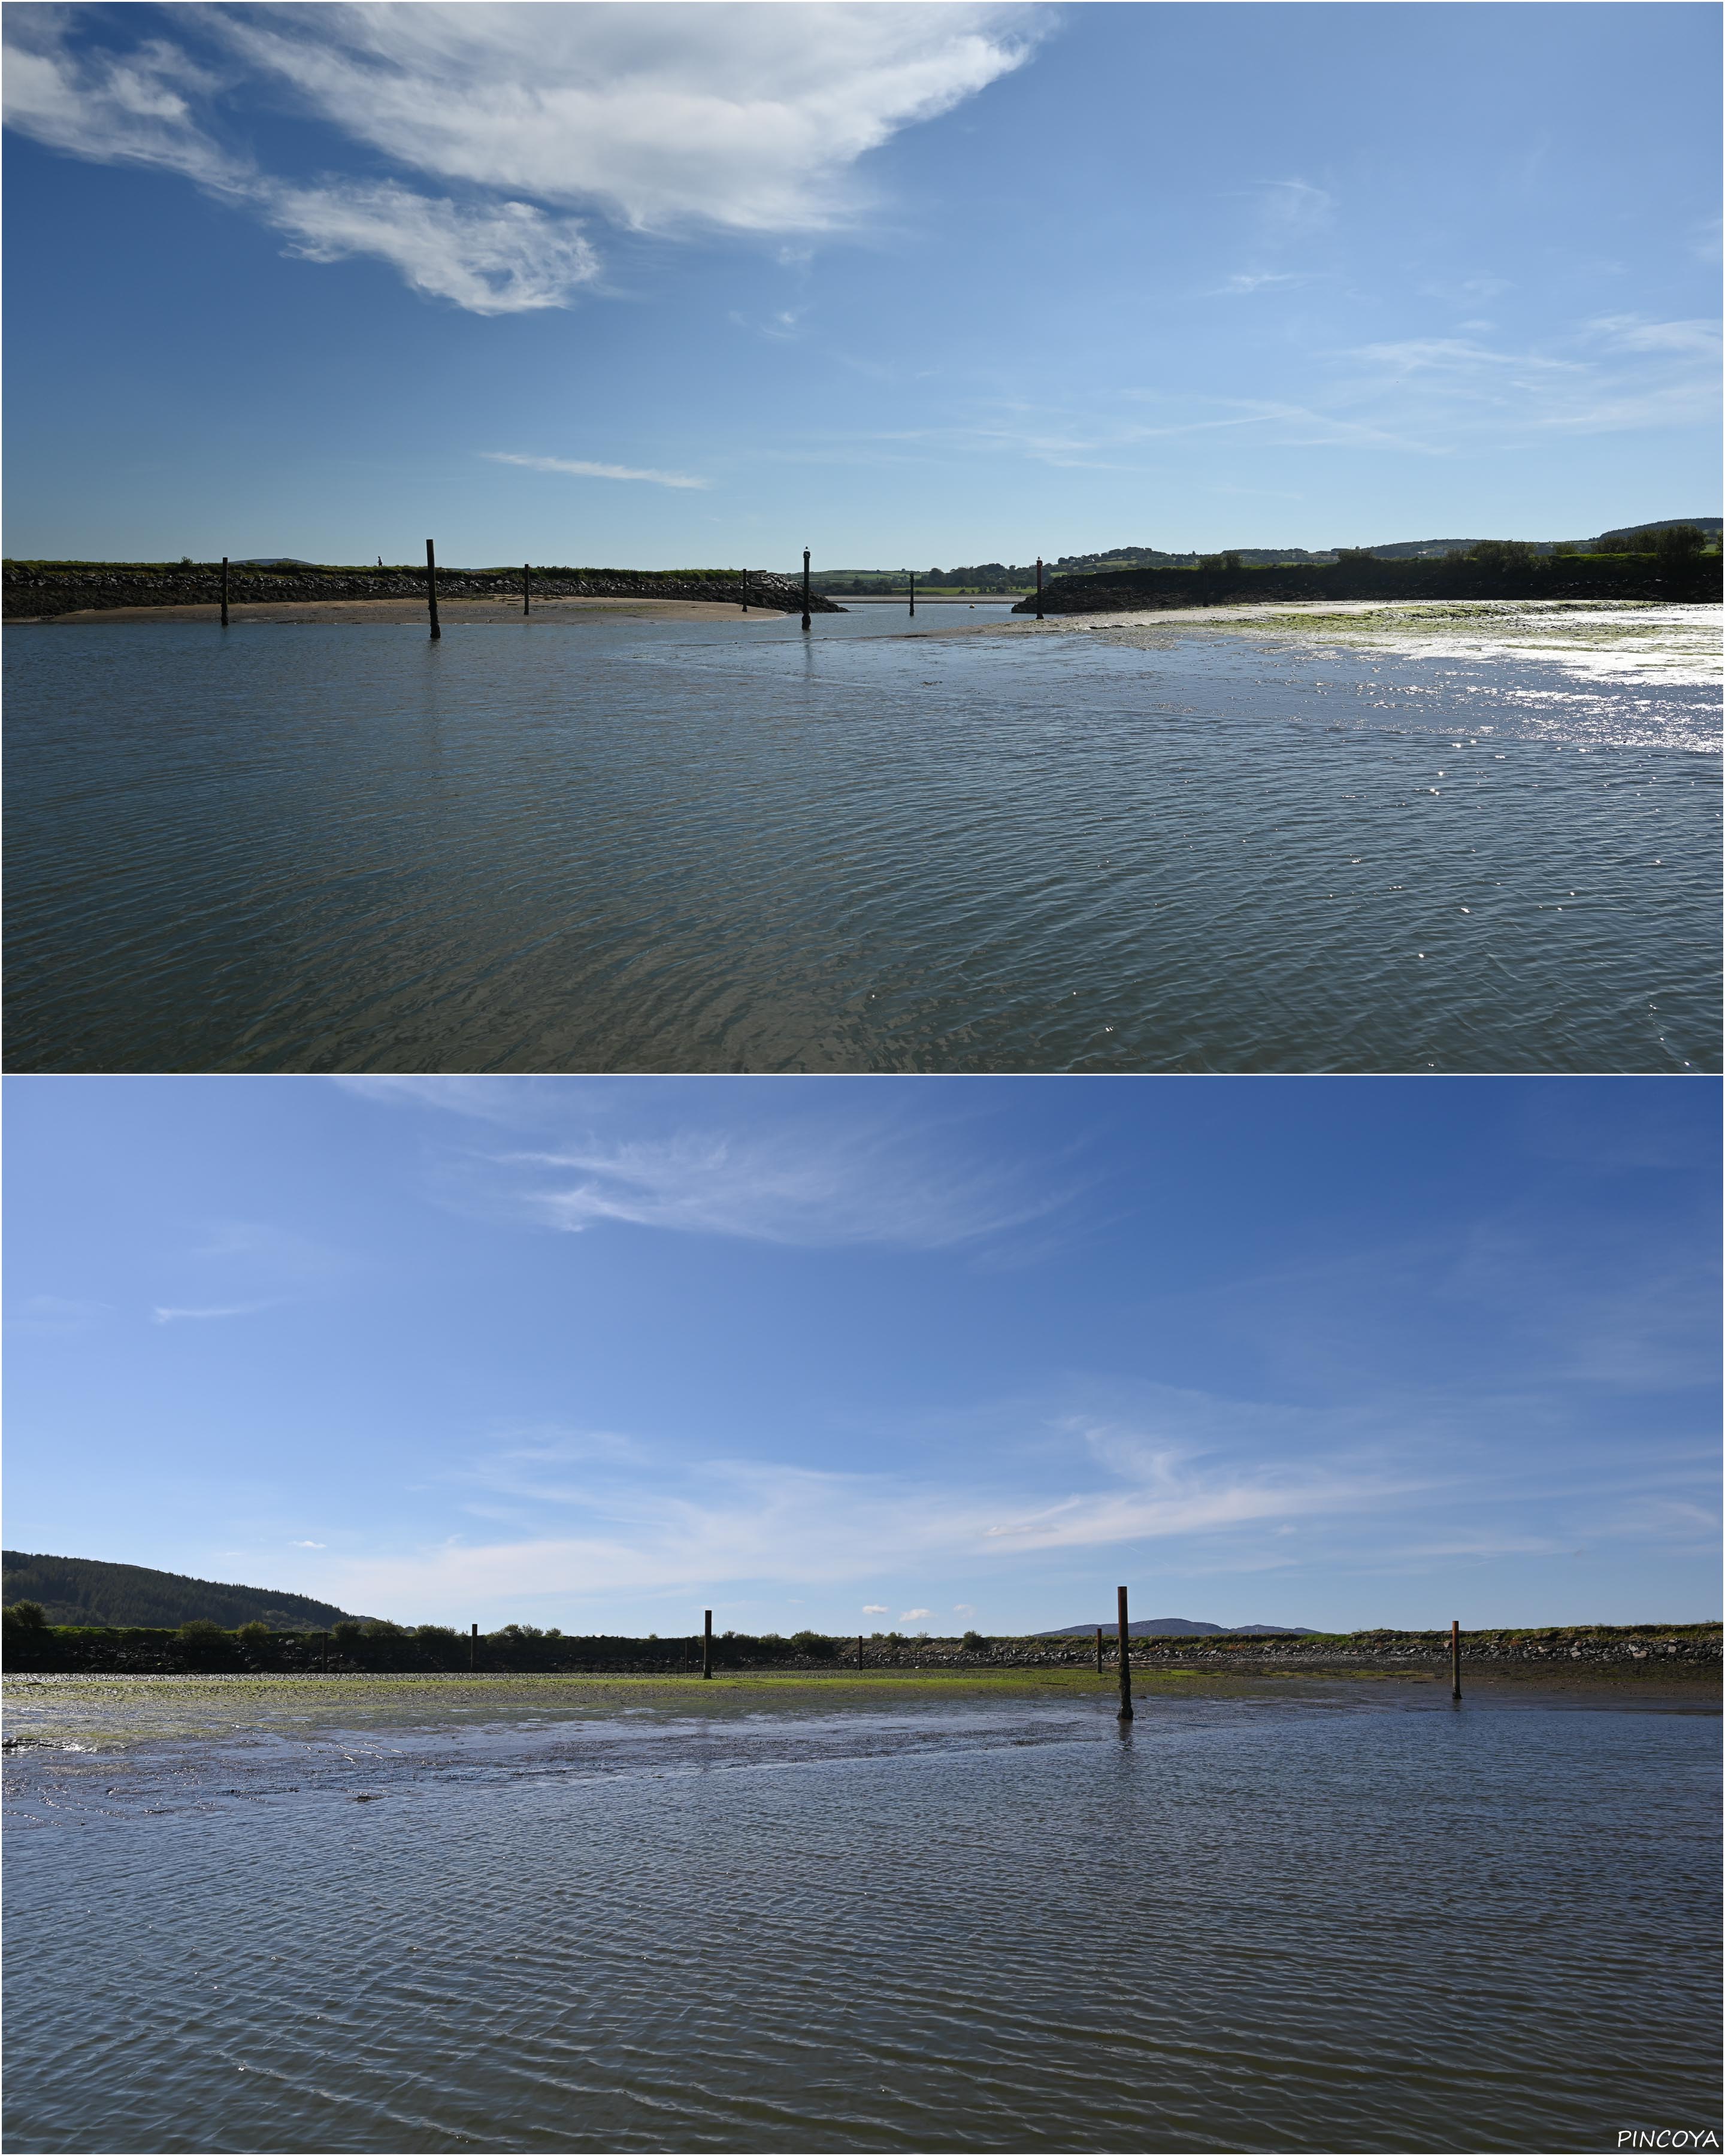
x=452 y=613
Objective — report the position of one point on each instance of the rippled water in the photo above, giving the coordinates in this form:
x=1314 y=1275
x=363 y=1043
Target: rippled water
x=1250 y=1924
x=673 y=846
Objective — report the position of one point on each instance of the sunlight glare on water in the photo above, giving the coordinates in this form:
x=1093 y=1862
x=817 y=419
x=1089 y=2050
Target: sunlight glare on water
x=682 y=847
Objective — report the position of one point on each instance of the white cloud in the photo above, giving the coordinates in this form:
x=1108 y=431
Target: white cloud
x=506 y=258
x=1196 y=1470
x=1293 y=208
x=165 y=1315
x=308 y=1545
x=1635 y=333
x=909 y=1616
x=1256 y=280
x=823 y=1184
x=594 y=471
x=662 y=118
x=826 y=1176
x=744 y=117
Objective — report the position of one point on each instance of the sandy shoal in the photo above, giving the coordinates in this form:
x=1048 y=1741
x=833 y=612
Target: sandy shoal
x=452 y=613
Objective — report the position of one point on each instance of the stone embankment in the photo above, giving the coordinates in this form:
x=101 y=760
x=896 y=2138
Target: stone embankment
x=1692 y=1649
x=40 y=590
x=1689 y=1644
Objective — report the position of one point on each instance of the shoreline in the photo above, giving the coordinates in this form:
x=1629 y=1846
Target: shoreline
x=399 y=613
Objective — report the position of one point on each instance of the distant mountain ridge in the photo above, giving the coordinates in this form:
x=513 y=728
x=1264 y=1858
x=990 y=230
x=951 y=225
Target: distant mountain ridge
x=82 y=1590
x=1173 y=1628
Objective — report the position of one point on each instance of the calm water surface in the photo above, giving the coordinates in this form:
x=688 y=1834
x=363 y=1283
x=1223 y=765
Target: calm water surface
x=673 y=846
x=1345 y=1923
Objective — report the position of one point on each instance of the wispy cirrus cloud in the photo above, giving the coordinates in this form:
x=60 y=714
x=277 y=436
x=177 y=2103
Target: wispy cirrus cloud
x=651 y=1518
x=170 y=1314
x=862 y=1183
x=660 y=119
x=694 y=1157
x=580 y=469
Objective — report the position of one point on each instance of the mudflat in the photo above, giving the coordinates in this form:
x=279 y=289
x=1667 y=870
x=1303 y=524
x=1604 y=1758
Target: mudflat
x=452 y=613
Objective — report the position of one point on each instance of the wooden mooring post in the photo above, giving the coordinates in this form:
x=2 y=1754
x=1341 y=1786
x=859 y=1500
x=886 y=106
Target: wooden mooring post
x=1038 y=587
x=859 y=1650
x=1454 y=1659
x=526 y=589
x=1126 y=1663
x=431 y=590
x=805 y=587
x=706 y=1646
x=473 y=1649
x=745 y=591
x=913 y=591
x=224 y=591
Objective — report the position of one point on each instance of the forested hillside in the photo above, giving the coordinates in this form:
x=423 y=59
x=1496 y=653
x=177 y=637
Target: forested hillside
x=80 y=1590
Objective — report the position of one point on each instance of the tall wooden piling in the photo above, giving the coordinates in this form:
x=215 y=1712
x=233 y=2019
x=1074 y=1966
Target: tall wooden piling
x=431 y=586
x=913 y=591
x=527 y=587
x=1038 y=587
x=1099 y=1650
x=745 y=591
x=1126 y=1663
x=859 y=1650
x=1454 y=1659
x=707 y=1646
x=805 y=587
x=473 y=1649
x=224 y=591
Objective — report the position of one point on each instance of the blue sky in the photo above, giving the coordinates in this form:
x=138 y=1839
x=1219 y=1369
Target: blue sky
x=907 y=284
x=875 y=1354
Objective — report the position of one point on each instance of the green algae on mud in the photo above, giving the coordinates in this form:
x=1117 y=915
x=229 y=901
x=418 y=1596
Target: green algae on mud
x=115 y=1712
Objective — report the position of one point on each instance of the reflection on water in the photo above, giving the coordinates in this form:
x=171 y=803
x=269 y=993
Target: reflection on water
x=1243 y=1924
x=676 y=847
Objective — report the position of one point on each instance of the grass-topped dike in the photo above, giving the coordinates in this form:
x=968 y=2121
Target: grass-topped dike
x=33 y=1644
x=36 y=591
x=1497 y=569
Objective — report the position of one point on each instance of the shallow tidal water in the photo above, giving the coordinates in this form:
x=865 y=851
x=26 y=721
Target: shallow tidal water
x=1355 y=1919
x=686 y=846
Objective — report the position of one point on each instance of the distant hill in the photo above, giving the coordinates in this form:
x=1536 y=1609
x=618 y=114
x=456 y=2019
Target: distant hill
x=1172 y=1628
x=1608 y=542
x=80 y=1590
x=1394 y=550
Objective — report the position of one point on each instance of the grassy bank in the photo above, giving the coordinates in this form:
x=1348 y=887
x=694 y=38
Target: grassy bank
x=1669 y=579
x=38 y=591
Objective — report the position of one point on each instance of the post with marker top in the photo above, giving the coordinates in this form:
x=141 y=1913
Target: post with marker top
x=1038 y=587
x=431 y=587
x=707 y=1646
x=224 y=591
x=805 y=587
x=1126 y=1663
x=1454 y=1659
